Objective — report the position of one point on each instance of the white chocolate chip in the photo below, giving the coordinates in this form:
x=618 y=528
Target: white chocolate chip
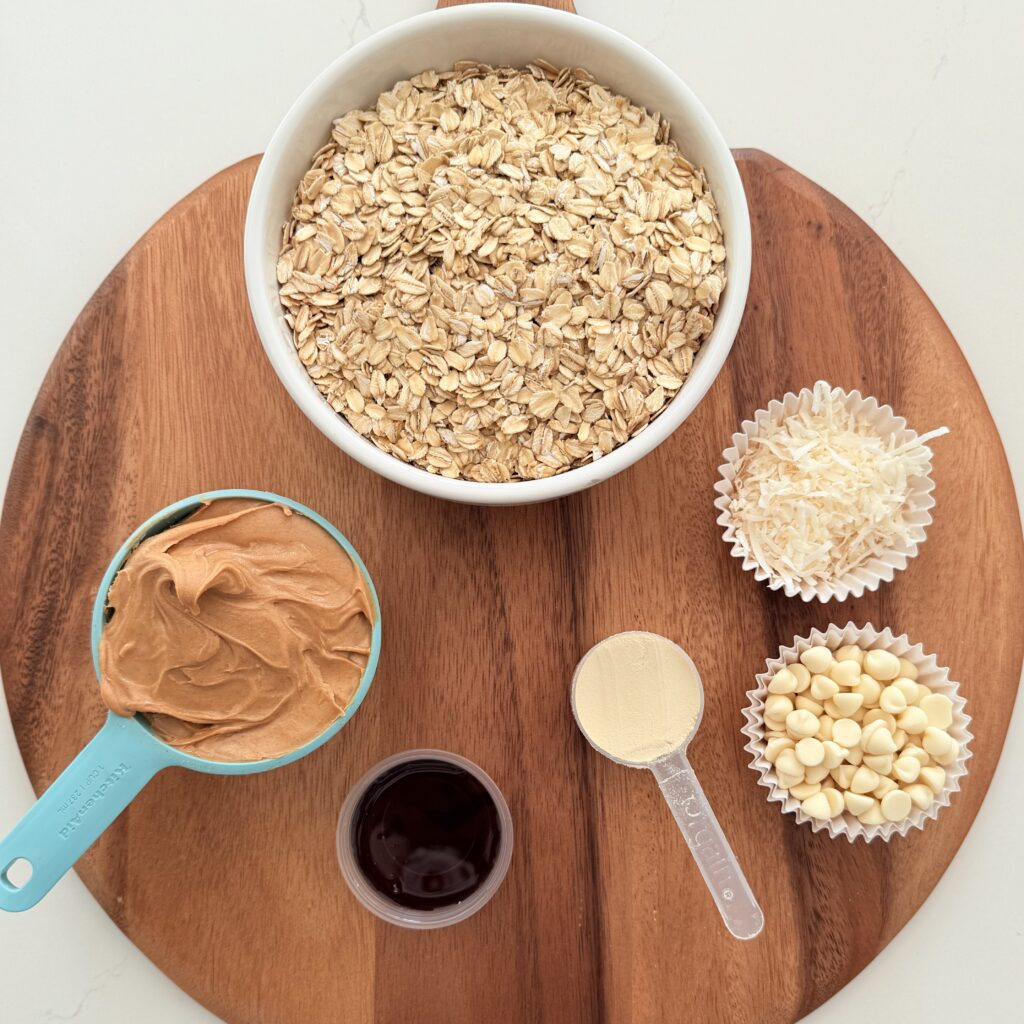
x=922 y=692
x=802 y=790
x=936 y=741
x=907 y=769
x=783 y=682
x=806 y=704
x=855 y=756
x=789 y=781
x=817 y=660
x=868 y=729
x=843 y=775
x=823 y=688
x=922 y=755
x=907 y=669
x=908 y=688
x=881 y=665
x=934 y=778
x=825 y=724
x=878 y=715
x=920 y=795
x=803 y=677
x=801 y=723
x=846 y=732
x=893 y=700
x=857 y=803
x=950 y=755
x=816 y=773
x=845 y=673
x=835 y=802
x=913 y=720
x=880 y=742
x=776 y=746
x=873 y=816
x=810 y=752
x=869 y=689
x=847 y=703
x=834 y=754
x=777 y=705
x=851 y=652
x=787 y=763
x=881 y=763
x=885 y=785
x=817 y=807
x=939 y=709
x=864 y=780
x=896 y=805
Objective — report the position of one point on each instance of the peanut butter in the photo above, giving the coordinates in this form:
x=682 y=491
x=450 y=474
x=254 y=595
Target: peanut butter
x=241 y=633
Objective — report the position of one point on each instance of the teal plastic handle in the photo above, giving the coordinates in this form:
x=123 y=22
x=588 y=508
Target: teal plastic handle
x=70 y=816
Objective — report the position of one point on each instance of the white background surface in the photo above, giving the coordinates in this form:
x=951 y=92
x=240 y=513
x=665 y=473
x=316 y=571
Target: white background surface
x=111 y=110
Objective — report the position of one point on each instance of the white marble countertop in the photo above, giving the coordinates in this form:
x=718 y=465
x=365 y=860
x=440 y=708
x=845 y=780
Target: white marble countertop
x=910 y=113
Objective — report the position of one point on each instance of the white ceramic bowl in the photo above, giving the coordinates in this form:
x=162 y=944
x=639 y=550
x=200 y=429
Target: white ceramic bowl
x=498 y=34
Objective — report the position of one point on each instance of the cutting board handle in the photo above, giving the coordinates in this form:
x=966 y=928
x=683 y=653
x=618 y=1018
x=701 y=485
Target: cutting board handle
x=558 y=5
x=72 y=814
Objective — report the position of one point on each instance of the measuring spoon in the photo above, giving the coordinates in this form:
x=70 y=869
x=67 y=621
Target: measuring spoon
x=683 y=794
x=125 y=754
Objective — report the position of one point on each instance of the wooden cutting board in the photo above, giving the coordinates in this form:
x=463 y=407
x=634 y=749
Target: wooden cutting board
x=231 y=885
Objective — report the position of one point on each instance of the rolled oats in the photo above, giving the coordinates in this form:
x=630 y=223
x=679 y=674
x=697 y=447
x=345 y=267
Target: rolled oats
x=500 y=274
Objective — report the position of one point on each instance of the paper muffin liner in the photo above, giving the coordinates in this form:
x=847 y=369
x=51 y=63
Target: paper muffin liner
x=868 y=576
x=929 y=673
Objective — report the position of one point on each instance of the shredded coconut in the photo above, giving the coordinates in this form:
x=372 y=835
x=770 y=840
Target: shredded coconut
x=820 y=493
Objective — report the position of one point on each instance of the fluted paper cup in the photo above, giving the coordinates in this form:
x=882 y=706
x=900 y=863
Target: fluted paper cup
x=877 y=569
x=929 y=673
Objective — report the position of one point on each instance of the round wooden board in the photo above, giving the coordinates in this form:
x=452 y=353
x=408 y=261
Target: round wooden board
x=231 y=885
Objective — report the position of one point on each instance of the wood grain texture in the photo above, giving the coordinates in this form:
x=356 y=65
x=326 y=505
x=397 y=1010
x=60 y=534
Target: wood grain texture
x=231 y=885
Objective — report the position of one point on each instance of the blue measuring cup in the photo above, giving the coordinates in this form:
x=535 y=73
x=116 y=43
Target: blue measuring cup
x=125 y=754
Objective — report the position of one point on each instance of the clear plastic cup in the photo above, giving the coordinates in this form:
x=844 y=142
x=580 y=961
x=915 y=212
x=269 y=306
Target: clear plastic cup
x=388 y=910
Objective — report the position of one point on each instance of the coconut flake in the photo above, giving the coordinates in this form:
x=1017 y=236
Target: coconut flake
x=820 y=493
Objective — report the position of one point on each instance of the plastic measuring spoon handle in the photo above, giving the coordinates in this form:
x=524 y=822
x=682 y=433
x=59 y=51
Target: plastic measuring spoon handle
x=710 y=848
x=70 y=816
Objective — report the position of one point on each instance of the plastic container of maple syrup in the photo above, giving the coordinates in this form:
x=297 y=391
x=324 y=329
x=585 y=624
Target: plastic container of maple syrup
x=424 y=839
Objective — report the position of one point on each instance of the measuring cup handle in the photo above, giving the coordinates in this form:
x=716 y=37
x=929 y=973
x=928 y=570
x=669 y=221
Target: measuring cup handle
x=68 y=818
x=710 y=848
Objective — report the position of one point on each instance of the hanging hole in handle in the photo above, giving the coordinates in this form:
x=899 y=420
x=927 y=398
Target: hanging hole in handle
x=17 y=874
